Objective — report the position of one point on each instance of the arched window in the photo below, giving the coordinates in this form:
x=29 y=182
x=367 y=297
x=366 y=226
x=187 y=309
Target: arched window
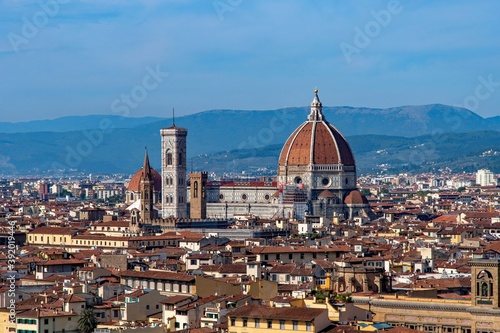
x=484 y=289
x=179 y=162
x=169 y=158
x=484 y=274
x=195 y=189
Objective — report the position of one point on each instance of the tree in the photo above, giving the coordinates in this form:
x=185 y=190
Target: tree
x=87 y=321
x=345 y=297
x=461 y=189
x=422 y=194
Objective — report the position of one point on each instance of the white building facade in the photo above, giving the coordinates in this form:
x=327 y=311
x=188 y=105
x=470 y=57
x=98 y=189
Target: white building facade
x=485 y=177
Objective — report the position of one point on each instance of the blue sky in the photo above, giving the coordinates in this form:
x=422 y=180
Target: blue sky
x=62 y=57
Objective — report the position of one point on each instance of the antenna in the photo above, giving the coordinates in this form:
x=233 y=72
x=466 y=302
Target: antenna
x=173 y=117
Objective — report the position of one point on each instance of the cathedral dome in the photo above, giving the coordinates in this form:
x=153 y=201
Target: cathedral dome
x=135 y=181
x=316 y=141
x=355 y=198
x=326 y=194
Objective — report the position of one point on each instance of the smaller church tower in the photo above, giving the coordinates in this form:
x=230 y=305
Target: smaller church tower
x=198 y=203
x=148 y=211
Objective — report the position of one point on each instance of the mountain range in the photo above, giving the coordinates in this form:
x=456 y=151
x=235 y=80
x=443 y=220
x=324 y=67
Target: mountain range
x=409 y=138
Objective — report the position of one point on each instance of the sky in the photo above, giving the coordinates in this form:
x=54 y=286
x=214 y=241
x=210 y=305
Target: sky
x=143 y=58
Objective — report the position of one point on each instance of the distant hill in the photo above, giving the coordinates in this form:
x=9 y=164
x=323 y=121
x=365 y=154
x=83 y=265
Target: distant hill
x=77 y=143
x=456 y=151
x=236 y=129
x=119 y=154
x=73 y=123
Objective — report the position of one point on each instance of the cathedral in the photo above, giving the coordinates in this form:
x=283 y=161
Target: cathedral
x=316 y=177
x=317 y=159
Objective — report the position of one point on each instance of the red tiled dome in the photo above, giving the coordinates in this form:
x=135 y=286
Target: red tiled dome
x=326 y=194
x=355 y=198
x=316 y=142
x=135 y=182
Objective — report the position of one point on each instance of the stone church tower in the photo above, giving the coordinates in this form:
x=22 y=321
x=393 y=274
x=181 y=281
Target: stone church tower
x=198 y=203
x=143 y=210
x=173 y=172
x=148 y=211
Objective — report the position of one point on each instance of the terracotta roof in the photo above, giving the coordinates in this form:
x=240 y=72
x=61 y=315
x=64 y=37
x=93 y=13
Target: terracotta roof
x=316 y=142
x=205 y=256
x=73 y=299
x=320 y=141
x=289 y=313
x=175 y=299
x=286 y=268
x=62 y=262
x=326 y=194
x=355 y=198
x=54 y=231
x=226 y=268
x=201 y=301
x=135 y=181
x=40 y=313
x=233 y=268
x=187 y=236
